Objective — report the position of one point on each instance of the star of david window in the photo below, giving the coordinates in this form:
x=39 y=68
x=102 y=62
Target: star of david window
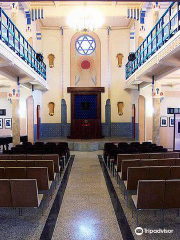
x=85 y=45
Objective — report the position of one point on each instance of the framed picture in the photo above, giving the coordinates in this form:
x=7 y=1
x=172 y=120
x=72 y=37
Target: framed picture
x=8 y=123
x=163 y=121
x=171 y=121
x=1 y=123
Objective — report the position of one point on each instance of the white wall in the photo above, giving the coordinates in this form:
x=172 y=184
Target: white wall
x=119 y=43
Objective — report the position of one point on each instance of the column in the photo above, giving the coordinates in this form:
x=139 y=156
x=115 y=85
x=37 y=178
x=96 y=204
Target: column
x=15 y=114
x=108 y=117
x=156 y=118
x=15 y=122
x=63 y=118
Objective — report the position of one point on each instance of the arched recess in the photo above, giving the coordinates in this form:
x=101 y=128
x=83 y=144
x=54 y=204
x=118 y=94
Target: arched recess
x=141 y=104
x=85 y=69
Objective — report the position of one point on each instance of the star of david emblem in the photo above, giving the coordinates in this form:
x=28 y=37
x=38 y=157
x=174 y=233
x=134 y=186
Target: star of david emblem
x=85 y=45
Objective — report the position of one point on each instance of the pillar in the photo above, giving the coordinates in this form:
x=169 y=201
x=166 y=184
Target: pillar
x=63 y=118
x=15 y=115
x=156 y=119
x=15 y=122
x=108 y=117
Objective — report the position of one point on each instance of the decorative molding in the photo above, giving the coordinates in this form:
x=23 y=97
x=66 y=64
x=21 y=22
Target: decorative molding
x=85 y=89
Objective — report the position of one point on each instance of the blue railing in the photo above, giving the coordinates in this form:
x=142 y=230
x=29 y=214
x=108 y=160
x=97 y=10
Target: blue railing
x=13 y=38
x=164 y=29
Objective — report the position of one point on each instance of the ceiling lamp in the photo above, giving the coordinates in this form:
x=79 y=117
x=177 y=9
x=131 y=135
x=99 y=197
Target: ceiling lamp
x=85 y=19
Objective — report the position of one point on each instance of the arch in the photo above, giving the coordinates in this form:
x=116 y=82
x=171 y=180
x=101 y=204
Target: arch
x=85 y=69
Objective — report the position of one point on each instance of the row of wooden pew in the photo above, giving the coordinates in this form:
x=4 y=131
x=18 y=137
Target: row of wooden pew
x=25 y=179
x=144 y=175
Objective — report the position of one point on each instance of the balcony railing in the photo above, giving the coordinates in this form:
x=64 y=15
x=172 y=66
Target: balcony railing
x=165 y=28
x=13 y=38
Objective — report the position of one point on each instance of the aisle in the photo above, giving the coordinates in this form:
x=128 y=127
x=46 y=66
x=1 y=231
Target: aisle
x=86 y=211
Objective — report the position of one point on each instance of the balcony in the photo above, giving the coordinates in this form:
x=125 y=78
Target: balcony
x=165 y=29
x=12 y=37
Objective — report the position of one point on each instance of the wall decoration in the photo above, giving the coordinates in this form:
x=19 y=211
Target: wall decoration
x=157 y=91
x=171 y=121
x=163 y=121
x=119 y=57
x=8 y=123
x=1 y=123
x=85 y=60
x=85 y=45
x=120 y=106
x=51 y=107
x=14 y=92
x=51 y=58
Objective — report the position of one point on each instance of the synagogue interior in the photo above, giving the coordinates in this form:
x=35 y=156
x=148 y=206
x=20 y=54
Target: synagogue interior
x=89 y=120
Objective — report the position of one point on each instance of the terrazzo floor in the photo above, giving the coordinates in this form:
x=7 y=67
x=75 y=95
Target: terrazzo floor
x=86 y=211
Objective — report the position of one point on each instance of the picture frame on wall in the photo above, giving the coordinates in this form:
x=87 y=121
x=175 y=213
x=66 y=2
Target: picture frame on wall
x=163 y=121
x=171 y=121
x=8 y=123
x=1 y=123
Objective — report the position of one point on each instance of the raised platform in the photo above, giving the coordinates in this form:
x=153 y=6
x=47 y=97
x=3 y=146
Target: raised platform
x=87 y=145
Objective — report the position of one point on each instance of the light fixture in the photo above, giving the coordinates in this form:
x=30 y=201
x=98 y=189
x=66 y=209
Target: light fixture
x=85 y=19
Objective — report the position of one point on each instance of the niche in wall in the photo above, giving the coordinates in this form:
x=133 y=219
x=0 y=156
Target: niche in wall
x=85 y=60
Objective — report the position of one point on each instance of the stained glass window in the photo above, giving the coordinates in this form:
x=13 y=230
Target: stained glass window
x=85 y=45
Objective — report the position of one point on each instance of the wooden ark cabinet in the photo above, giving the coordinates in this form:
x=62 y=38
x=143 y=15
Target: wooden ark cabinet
x=85 y=112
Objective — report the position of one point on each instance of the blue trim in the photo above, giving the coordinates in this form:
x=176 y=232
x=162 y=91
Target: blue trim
x=166 y=27
x=128 y=13
x=14 y=39
x=57 y=130
x=137 y=132
x=35 y=132
x=153 y=80
x=62 y=30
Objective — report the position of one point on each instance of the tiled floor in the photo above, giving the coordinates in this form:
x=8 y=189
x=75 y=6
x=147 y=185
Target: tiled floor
x=86 y=211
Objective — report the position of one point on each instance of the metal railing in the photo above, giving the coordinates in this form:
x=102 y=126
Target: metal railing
x=164 y=29
x=13 y=38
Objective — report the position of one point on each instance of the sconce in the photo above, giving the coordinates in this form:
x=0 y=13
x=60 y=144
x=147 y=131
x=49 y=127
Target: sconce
x=51 y=107
x=51 y=58
x=119 y=57
x=120 y=106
